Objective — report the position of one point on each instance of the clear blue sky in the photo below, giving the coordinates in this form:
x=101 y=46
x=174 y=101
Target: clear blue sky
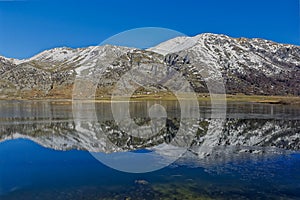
x=28 y=27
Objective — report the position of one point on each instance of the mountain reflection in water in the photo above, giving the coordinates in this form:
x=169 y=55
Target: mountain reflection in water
x=44 y=152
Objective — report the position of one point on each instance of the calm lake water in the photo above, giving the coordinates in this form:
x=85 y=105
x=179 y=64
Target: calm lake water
x=49 y=152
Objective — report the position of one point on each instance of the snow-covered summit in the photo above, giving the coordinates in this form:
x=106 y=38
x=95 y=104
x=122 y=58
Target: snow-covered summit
x=249 y=66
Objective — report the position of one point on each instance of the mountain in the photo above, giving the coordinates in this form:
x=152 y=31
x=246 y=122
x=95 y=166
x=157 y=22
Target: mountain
x=248 y=66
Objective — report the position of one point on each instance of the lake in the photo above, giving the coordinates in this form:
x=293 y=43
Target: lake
x=55 y=150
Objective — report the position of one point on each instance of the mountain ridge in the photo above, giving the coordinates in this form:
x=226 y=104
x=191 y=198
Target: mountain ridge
x=248 y=66
x=207 y=33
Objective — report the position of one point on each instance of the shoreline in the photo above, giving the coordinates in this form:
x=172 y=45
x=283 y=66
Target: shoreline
x=284 y=100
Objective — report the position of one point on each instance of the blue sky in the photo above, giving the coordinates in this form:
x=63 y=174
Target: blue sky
x=28 y=27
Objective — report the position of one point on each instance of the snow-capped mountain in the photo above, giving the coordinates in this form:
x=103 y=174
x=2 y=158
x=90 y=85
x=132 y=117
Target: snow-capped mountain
x=249 y=66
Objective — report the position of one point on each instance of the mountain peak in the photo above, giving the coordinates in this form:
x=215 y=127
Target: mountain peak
x=249 y=66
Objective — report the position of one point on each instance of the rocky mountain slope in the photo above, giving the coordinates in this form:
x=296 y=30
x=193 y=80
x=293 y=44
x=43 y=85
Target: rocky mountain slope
x=249 y=66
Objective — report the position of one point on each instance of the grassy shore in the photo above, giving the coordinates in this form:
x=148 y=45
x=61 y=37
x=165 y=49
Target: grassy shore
x=229 y=98
x=264 y=99
x=170 y=97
